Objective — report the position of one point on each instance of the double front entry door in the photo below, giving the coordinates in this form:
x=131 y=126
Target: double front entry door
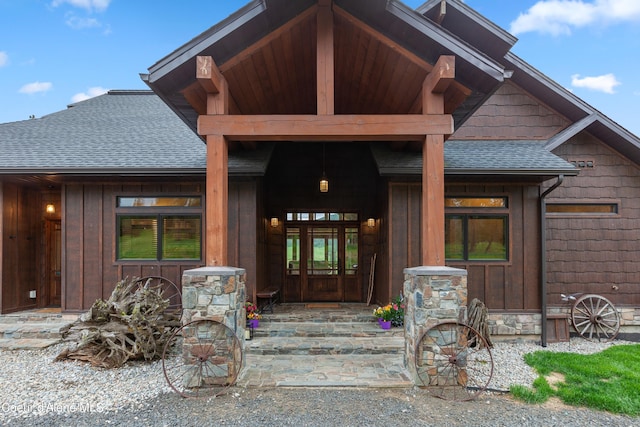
x=322 y=262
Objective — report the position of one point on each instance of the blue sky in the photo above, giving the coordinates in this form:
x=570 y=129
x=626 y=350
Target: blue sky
x=55 y=52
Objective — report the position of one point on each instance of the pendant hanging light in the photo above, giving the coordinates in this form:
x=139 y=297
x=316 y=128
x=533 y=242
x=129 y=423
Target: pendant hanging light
x=324 y=182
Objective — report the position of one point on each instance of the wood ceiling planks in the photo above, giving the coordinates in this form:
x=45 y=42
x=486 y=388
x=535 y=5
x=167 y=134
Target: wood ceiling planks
x=277 y=75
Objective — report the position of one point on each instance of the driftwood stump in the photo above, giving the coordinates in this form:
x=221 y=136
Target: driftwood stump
x=478 y=319
x=133 y=324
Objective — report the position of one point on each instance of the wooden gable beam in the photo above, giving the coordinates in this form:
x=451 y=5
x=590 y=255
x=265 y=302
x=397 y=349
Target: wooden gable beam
x=214 y=84
x=436 y=83
x=196 y=97
x=383 y=39
x=325 y=84
x=340 y=127
x=432 y=221
x=268 y=39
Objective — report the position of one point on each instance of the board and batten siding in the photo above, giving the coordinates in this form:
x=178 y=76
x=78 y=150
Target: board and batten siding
x=89 y=267
x=512 y=285
x=21 y=232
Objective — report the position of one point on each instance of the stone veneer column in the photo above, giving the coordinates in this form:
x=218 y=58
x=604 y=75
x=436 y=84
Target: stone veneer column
x=216 y=293
x=432 y=295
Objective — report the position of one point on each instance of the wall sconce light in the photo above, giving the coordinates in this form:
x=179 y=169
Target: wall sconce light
x=324 y=182
x=274 y=222
x=371 y=222
x=51 y=208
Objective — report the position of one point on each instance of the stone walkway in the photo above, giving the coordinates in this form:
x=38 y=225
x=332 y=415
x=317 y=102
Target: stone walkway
x=327 y=346
x=296 y=346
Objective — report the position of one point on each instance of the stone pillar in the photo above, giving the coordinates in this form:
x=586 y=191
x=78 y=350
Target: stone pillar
x=432 y=295
x=216 y=293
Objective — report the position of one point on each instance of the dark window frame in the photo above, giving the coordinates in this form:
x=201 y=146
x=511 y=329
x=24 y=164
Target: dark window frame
x=614 y=204
x=159 y=214
x=465 y=213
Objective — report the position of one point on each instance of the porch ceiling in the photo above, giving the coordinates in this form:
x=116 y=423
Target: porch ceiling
x=277 y=75
x=267 y=54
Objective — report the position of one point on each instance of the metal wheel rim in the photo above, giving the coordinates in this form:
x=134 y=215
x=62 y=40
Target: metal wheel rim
x=594 y=317
x=202 y=359
x=454 y=362
x=170 y=292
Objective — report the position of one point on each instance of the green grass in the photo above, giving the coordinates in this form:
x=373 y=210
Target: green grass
x=607 y=381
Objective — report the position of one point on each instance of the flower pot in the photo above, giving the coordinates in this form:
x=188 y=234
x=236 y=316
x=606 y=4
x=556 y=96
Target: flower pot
x=385 y=324
x=254 y=323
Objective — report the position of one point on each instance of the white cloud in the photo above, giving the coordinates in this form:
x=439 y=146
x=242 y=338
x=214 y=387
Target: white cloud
x=4 y=58
x=89 y=5
x=605 y=83
x=81 y=23
x=36 y=87
x=557 y=17
x=92 y=92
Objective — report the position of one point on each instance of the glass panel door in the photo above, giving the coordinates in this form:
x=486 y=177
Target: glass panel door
x=322 y=258
x=322 y=262
x=293 y=251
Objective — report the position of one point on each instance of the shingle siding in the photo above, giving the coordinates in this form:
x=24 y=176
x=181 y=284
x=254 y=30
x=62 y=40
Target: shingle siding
x=599 y=251
x=510 y=113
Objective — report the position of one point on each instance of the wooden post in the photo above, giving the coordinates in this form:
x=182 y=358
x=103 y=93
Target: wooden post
x=432 y=225
x=217 y=203
x=432 y=221
x=324 y=59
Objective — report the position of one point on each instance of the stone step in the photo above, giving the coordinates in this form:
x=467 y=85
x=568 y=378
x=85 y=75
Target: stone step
x=26 y=343
x=342 y=370
x=33 y=330
x=35 y=317
x=325 y=345
x=323 y=329
x=343 y=313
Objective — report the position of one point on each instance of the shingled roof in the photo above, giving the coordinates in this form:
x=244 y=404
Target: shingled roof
x=135 y=133
x=479 y=158
x=122 y=133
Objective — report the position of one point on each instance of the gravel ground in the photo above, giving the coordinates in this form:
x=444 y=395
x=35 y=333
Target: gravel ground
x=35 y=391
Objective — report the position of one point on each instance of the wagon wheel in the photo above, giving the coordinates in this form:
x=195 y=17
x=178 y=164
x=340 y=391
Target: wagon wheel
x=202 y=359
x=168 y=290
x=595 y=317
x=454 y=361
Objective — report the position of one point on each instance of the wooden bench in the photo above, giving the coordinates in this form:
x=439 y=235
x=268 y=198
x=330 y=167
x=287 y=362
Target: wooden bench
x=272 y=295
